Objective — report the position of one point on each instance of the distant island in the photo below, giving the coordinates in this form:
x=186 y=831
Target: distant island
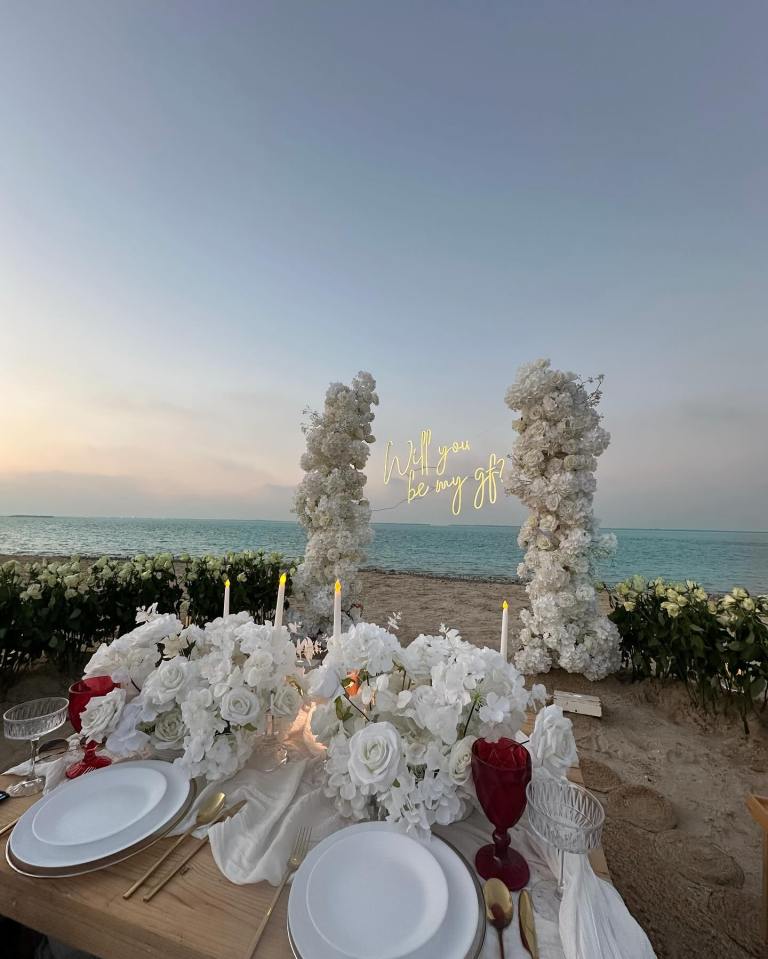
x=30 y=515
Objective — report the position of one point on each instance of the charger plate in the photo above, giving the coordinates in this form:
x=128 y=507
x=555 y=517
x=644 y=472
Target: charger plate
x=455 y=939
x=18 y=864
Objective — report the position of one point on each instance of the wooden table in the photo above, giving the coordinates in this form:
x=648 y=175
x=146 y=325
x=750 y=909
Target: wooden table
x=200 y=915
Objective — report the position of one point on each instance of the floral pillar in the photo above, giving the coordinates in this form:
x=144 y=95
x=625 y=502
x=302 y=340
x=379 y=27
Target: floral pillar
x=553 y=473
x=331 y=506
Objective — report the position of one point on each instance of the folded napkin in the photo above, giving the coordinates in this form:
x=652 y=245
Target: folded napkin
x=54 y=769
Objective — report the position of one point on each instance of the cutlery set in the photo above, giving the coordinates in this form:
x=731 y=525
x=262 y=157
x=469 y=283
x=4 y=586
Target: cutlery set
x=500 y=911
x=311 y=889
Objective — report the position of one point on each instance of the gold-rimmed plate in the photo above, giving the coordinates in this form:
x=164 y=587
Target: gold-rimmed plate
x=61 y=872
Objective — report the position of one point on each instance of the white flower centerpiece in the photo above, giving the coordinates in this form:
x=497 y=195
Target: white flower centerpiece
x=399 y=722
x=553 y=473
x=205 y=694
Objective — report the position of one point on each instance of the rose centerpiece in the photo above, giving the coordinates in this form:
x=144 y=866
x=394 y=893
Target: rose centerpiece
x=399 y=722
x=206 y=694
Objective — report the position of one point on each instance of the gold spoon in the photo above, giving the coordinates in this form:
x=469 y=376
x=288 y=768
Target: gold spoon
x=205 y=815
x=499 y=908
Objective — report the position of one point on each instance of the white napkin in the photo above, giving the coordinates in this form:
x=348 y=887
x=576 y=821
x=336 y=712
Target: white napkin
x=54 y=769
x=254 y=845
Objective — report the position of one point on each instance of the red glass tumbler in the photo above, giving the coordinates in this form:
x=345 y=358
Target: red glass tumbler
x=80 y=694
x=501 y=772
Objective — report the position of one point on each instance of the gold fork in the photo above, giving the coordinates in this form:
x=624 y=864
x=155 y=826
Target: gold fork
x=300 y=850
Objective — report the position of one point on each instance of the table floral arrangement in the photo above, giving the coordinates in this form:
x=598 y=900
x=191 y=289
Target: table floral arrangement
x=399 y=722
x=205 y=693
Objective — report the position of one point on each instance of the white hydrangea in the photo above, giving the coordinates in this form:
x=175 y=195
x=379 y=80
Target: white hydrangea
x=552 y=472
x=331 y=506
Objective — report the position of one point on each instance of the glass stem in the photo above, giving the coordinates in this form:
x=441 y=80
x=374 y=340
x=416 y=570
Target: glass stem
x=32 y=757
x=560 y=884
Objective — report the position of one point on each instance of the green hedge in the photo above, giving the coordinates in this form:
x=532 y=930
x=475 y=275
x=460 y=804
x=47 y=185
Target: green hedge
x=717 y=646
x=62 y=609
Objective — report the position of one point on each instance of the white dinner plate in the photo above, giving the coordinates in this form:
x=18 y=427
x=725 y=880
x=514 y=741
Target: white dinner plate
x=124 y=803
x=81 y=814
x=381 y=888
x=460 y=934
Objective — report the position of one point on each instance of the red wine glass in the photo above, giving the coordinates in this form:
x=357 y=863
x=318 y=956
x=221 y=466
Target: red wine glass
x=501 y=771
x=80 y=694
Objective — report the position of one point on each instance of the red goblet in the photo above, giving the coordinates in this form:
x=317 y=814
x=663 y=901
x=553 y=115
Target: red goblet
x=501 y=772
x=80 y=694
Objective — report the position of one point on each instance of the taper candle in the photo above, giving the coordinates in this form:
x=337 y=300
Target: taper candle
x=337 y=610
x=504 y=628
x=226 y=597
x=280 y=600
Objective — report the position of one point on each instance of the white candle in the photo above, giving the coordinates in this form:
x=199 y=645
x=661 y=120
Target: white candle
x=504 y=628
x=337 y=610
x=280 y=600
x=226 y=597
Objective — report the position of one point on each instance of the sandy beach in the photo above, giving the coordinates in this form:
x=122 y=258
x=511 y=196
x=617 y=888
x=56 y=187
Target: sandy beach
x=681 y=846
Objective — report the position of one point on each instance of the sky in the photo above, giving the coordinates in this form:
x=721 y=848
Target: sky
x=208 y=212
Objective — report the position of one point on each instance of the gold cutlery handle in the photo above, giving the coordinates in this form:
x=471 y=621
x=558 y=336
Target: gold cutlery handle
x=267 y=914
x=153 y=869
x=9 y=826
x=224 y=815
x=156 y=889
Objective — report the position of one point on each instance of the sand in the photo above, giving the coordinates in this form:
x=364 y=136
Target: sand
x=681 y=846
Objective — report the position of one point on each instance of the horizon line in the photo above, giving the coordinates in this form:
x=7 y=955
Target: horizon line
x=217 y=519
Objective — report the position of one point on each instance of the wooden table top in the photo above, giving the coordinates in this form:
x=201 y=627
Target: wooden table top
x=199 y=915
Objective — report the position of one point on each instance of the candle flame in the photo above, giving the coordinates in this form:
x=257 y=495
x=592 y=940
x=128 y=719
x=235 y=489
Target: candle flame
x=505 y=605
x=226 y=583
x=283 y=578
x=337 y=587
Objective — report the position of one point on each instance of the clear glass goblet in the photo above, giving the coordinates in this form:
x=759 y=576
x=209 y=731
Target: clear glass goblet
x=565 y=816
x=30 y=721
x=270 y=752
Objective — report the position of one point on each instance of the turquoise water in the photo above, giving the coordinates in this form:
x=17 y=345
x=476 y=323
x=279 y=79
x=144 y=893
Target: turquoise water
x=718 y=560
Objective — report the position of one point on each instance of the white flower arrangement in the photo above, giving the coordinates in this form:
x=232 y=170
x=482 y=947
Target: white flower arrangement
x=553 y=466
x=399 y=722
x=205 y=693
x=330 y=504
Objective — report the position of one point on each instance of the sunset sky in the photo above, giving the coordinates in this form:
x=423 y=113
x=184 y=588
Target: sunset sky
x=210 y=211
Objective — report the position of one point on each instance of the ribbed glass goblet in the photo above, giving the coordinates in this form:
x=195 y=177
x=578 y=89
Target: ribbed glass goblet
x=567 y=817
x=31 y=720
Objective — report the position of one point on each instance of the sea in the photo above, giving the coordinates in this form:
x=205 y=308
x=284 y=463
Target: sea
x=716 y=559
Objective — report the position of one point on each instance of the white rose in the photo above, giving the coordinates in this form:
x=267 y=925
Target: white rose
x=240 y=707
x=127 y=739
x=460 y=760
x=286 y=701
x=169 y=730
x=324 y=722
x=101 y=715
x=552 y=745
x=168 y=682
x=375 y=755
x=324 y=683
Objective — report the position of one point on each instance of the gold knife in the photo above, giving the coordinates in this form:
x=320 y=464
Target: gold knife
x=527 y=924
x=226 y=814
